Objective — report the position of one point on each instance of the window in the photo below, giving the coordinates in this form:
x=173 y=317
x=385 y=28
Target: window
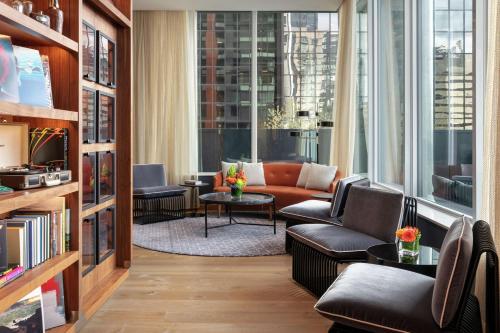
x=446 y=98
x=296 y=78
x=224 y=68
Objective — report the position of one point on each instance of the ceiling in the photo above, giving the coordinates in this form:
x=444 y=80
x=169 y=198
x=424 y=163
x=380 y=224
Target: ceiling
x=236 y=5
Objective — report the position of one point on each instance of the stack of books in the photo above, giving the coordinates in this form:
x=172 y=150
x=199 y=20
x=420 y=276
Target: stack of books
x=10 y=275
x=36 y=234
x=192 y=182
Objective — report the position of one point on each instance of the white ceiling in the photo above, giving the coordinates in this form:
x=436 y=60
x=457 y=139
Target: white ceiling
x=236 y=5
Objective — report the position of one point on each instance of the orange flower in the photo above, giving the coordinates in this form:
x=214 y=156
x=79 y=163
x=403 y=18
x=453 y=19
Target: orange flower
x=408 y=234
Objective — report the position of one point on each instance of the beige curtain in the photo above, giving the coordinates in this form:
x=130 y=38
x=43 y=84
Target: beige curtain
x=490 y=209
x=164 y=92
x=343 y=138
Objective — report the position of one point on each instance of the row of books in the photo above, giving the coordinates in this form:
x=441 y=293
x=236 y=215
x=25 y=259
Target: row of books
x=40 y=310
x=10 y=275
x=25 y=75
x=34 y=235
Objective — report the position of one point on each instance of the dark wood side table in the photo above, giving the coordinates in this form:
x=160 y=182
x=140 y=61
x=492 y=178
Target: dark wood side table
x=387 y=254
x=195 y=193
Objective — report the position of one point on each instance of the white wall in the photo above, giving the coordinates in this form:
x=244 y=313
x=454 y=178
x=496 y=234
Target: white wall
x=235 y=5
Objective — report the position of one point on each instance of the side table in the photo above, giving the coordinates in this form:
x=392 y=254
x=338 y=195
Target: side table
x=195 y=193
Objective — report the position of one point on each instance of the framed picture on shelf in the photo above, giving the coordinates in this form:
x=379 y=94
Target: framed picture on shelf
x=105 y=233
x=106 y=117
x=88 y=52
x=106 y=60
x=89 y=171
x=89 y=258
x=89 y=119
x=106 y=174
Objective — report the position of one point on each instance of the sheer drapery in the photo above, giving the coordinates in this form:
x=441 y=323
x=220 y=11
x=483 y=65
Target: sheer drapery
x=343 y=138
x=164 y=92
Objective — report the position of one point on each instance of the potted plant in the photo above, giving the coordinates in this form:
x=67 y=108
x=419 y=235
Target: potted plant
x=237 y=181
x=409 y=241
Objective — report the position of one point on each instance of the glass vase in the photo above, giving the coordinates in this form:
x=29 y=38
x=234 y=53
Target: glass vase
x=236 y=191
x=409 y=249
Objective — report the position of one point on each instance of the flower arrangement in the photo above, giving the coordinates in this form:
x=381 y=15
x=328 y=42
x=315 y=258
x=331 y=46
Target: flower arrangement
x=409 y=241
x=236 y=180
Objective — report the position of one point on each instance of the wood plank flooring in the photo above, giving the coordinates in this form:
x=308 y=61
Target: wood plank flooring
x=180 y=294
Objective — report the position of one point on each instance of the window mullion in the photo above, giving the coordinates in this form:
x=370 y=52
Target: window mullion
x=254 y=95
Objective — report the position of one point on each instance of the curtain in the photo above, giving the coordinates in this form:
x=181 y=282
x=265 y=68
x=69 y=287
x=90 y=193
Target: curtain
x=343 y=138
x=164 y=92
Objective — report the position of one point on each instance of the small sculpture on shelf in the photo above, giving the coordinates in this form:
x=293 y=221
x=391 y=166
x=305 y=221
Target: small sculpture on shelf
x=56 y=16
x=41 y=17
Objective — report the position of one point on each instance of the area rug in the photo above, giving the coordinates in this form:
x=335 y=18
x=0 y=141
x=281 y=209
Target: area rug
x=187 y=236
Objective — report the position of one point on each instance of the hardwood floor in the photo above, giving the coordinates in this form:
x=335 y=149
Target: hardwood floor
x=172 y=293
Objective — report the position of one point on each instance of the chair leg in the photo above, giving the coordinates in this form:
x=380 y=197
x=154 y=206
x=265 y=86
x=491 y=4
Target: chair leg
x=270 y=210
x=219 y=208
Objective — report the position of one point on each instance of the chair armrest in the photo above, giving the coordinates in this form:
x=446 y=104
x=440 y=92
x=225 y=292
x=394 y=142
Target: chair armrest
x=218 y=179
x=333 y=185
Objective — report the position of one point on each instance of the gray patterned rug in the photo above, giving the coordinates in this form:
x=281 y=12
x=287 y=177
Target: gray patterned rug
x=187 y=236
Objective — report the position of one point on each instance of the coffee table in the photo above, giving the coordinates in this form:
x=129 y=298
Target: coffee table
x=247 y=199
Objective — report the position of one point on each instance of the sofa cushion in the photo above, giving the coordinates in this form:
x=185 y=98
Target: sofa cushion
x=320 y=177
x=148 y=175
x=333 y=240
x=254 y=173
x=304 y=175
x=158 y=191
x=282 y=174
x=451 y=273
x=374 y=212
x=310 y=211
x=380 y=299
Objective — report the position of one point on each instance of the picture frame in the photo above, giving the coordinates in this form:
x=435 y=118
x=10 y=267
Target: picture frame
x=106 y=60
x=89 y=180
x=106 y=176
x=106 y=233
x=106 y=112
x=89 y=58
x=89 y=115
x=89 y=243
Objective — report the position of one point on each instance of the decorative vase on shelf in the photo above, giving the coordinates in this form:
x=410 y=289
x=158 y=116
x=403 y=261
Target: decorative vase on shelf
x=236 y=191
x=409 y=249
x=27 y=7
x=40 y=17
x=17 y=5
x=56 y=16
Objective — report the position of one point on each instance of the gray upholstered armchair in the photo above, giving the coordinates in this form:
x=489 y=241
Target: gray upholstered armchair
x=154 y=200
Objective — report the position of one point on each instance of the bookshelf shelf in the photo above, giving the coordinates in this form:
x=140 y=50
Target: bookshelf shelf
x=21 y=199
x=112 y=12
x=35 y=277
x=24 y=29
x=22 y=110
x=92 y=147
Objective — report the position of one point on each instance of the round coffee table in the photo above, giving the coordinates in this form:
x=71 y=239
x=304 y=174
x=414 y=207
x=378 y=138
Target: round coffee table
x=247 y=199
x=387 y=254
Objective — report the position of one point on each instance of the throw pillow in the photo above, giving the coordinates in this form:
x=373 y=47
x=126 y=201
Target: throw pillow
x=254 y=173
x=225 y=168
x=320 y=177
x=304 y=175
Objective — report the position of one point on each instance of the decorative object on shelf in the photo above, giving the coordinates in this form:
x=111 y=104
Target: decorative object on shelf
x=3 y=248
x=56 y=16
x=40 y=17
x=409 y=241
x=105 y=117
x=106 y=176
x=88 y=52
x=48 y=82
x=5 y=190
x=105 y=233
x=106 y=59
x=9 y=90
x=27 y=7
x=17 y=5
x=13 y=144
x=25 y=315
x=32 y=84
x=49 y=147
x=89 y=170
x=237 y=181
x=88 y=244
x=54 y=314
x=89 y=107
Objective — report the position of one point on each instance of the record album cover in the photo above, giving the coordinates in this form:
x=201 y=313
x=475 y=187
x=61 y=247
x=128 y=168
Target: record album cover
x=9 y=90
x=25 y=316
x=53 y=302
x=32 y=86
x=49 y=147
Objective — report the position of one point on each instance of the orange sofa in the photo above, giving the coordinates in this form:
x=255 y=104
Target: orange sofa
x=281 y=180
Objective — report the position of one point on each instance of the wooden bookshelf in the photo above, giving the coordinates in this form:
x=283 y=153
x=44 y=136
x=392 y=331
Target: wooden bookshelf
x=21 y=110
x=34 y=278
x=83 y=295
x=21 y=199
x=25 y=30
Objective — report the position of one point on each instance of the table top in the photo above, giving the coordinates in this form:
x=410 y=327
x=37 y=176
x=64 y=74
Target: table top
x=194 y=185
x=246 y=198
x=324 y=196
x=428 y=256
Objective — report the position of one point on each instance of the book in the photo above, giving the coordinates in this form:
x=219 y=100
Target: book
x=25 y=315
x=53 y=302
x=9 y=90
x=10 y=275
x=16 y=246
x=3 y=246
x=48 y=82
x=32 y=86
x=192 y=182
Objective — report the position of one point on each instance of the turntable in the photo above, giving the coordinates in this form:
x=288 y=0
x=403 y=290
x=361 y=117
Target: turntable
x=28 y=176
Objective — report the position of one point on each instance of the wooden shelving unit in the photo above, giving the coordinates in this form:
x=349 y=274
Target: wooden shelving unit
x=83 y=295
